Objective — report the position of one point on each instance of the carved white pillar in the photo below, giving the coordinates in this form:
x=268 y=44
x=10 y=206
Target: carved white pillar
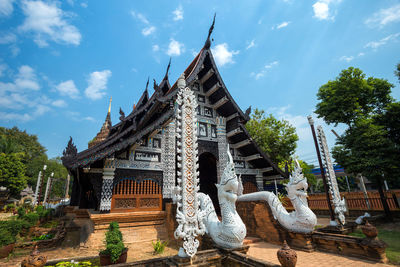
x=47 y=191
x=222 y=145
x=168 y=153
x=107 y=186
x=36 y=200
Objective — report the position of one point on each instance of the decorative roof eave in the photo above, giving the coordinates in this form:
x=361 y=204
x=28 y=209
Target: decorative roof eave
x=115 y=137
x=262 y=153
x=107 y=151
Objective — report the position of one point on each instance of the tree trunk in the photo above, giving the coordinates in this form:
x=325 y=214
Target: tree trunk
x=383 y=200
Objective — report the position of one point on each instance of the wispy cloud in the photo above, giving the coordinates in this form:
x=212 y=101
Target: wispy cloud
x=384 y=16
x=383 y=41
x=148 y=29
x=281 y=25
x=97 y=84
x=47 y=22
x=155 y=48
x=250 y=44
x=68 y=88
x=323 y=9
x=264 y=70
x=6 y=7
x=175 y=48
x=178 y=13
x=59 y=103
x=8 y=38
x=76 y=116
x=223 y=55
x=346 y=58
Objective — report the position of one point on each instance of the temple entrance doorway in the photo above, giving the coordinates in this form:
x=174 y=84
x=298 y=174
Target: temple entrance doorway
x=208 y=177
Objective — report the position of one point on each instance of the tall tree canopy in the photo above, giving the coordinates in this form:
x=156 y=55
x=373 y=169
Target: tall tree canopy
x=351 y=96
x=397 y=71
x=368 y=146
x=12 y=172
x=22 y=158
x=275 y=137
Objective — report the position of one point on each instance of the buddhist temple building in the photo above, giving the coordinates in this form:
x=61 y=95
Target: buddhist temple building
x=131 y=166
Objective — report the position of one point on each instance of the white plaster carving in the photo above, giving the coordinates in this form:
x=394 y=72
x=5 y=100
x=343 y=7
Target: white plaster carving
x=230 y=231
x=302 y=219
x=107 y=186
x=340 y=204
x=222 y=145
x=168 y=160
x=188 y=215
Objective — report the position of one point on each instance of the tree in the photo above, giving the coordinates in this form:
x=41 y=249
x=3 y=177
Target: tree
x=275 y=137
x=363 y=105
x=351 y=97
x=14 y=140
x=397 y=71
x=12 y=173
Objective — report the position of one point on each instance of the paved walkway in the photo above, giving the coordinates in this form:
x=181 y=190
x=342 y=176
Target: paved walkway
x=266 y=251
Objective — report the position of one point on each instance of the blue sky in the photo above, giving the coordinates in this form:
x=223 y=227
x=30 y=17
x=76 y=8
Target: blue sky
x=60 y=61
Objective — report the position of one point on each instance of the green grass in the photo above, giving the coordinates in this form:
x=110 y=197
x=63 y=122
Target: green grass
x=391 y=238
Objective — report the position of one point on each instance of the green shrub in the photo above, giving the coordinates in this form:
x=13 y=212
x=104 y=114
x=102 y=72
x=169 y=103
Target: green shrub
x=159 y=246
x=73 y=264
x=40 y=211
x=32 y=218
x=6 y=238
x=114 y=244
x=43 y=237
x=9 y=207
x=21 y=212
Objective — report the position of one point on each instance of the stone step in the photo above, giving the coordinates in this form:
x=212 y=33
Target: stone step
x=250 y=240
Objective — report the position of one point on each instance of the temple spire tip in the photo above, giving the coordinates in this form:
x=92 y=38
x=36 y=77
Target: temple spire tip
x=208 y=42
x=109 y=106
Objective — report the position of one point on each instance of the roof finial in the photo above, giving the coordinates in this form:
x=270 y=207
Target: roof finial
x=109 y=106
x=166 y=73
x=147 y=84
x=208 y=42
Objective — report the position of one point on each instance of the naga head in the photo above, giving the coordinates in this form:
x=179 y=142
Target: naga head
x=297 y=185
x=229 y=182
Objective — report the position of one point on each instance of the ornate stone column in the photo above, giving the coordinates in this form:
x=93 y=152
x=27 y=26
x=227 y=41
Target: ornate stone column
x=107 y=186
x=169 y=152
x=222 y=145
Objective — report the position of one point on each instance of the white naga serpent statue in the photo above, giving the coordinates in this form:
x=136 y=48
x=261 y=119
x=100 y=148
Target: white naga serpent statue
x=302 y=219
x=230 y=231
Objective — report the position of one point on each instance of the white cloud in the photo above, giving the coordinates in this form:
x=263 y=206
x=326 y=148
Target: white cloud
x=68 y=88
x=156 y=48
x=84 y=5
x=178 y=13
x=97 y=84
x=361 y=54
x=383 y=41
x=264 y=70
x=6 y=7
x=8 y=38
x=323 y=9
x=148 y=30
x=175 y=48
x=346 y=58
x=384 y=16
x=26 y=79
x=222 y=54
x=59 y=103
x=5 y=116
x=46 y=22
x=282 y=25
x=140 y=17
x=251 y=44
x=76 y=116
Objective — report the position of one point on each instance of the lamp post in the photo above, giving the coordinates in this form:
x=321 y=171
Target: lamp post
x=321 y=166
